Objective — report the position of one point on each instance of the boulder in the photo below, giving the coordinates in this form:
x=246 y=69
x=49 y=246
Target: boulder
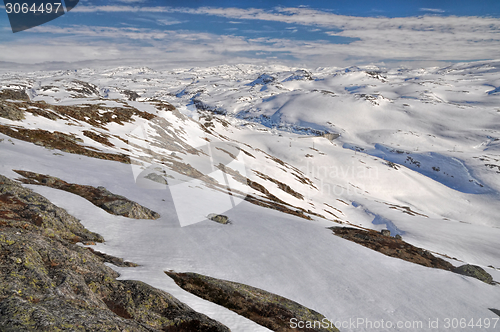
x=221 y=219
x=475 y=272
x=385 y=232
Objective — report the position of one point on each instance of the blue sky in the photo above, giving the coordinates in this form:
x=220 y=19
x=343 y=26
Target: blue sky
x=321 y=33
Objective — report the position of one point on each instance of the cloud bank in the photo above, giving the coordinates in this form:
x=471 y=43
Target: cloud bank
x=378 y=39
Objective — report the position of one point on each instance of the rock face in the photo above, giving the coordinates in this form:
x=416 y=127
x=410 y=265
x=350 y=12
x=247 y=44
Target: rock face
x=391 y=246
x=21 y=207
x=475 y=272
x=267 y=309
x=48 y=283
x=100 y=196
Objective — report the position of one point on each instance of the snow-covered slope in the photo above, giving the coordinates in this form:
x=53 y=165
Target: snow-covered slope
x=418 y=153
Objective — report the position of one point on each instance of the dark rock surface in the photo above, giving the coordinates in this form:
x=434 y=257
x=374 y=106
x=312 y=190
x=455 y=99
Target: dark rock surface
x=475 y=272
x=391 y=246
x=264 y=308
x=48 y=283
x=100 y=196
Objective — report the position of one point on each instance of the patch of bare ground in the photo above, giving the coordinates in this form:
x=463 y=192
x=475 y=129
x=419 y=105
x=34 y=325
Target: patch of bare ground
x=275 y=206
x=404 y=209
x=267 y=309
x=392 y=247
x=333 y=208
x=109 y=202
x=83 y=89
x=97 y=115
x=396 y=247
x=268 y=200
x=166 y=137
x=60 y=141
x=286 y=188
x=103 y=139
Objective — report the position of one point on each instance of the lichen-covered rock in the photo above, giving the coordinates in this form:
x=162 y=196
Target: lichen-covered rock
x=156 y=178
x=100 y=196
x=9 y=112
x=221 y=219
x=48 y=283
x=60 y=141
x=475 y=272
x=267 y=309
x=22 y=207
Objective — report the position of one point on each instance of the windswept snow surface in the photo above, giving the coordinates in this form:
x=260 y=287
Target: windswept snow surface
x=418 y=153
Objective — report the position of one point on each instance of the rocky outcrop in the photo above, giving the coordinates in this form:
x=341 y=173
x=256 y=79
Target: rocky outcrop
x=15 y=104
x=267 y=309
x=12 y=113
x=100 y=196
x=219 y=218
x=156 y=178
x=48 y=283
x=396 y=247
x=22 y=208
x=14 y=94
x=391 y=246
x=475 y=272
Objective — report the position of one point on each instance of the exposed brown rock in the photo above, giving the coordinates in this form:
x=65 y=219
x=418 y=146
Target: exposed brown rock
x=59 y=141
x=391 y=247
x=97 y=137
x=286 y=188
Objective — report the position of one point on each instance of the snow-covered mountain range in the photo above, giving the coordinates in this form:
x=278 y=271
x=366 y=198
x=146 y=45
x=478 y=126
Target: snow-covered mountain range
x=285 y=153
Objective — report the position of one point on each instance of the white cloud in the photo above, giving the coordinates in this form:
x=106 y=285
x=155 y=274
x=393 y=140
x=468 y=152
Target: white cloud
x=121 y=8
x=432 y=10
x=169 y=22
x=410 y=38
x=426 y=38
